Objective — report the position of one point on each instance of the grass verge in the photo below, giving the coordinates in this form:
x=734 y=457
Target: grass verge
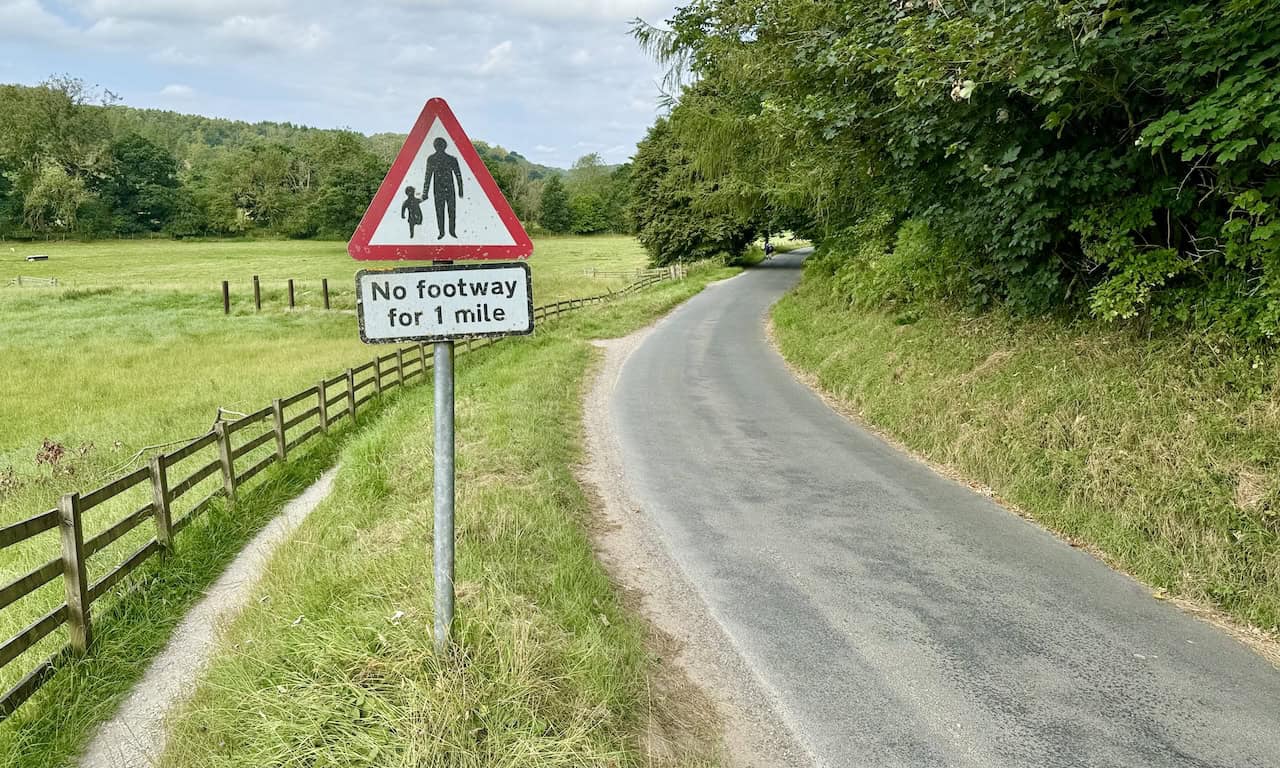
x=333 y=663
x=132 y=350
x=132 y=626
x=1162 y=454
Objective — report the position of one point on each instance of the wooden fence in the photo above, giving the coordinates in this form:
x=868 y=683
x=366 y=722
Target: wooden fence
x=671 y=272
x=257 y=294
x=284 y=425
x=32 y=282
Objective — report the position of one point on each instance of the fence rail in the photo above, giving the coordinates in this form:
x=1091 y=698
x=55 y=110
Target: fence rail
x=33 y=282
x=670 y=272
x=290 y=288
x=226 y=448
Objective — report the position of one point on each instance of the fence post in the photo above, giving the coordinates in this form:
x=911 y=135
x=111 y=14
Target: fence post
x=277 y=415
x=291 y=293
x=377 y=374
x=351 y=393
x=160 y=502
x=400 y=365
x=226 y=297
x=257 y=294
x=74 y=573
x=324 y=284
x=324 y=407
x=224 y=457
x=422 y=357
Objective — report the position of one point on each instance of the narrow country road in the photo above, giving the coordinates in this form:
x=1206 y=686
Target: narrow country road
x=899 y=618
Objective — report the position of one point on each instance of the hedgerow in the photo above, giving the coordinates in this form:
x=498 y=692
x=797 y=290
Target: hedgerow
x=1119 y=158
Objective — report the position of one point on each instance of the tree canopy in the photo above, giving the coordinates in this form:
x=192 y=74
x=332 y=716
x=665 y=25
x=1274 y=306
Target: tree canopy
x=1116 y=157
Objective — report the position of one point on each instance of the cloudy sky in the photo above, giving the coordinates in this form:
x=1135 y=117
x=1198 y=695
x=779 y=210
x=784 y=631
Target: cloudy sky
x=552 y=79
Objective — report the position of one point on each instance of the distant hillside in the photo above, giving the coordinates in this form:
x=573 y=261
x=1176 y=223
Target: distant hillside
x=70 y=164
x=73 y=163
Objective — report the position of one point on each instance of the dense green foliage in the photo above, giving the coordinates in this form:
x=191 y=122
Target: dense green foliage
x=555 y=214
x=1114 y=156
x=75 y=164
x=678 y=214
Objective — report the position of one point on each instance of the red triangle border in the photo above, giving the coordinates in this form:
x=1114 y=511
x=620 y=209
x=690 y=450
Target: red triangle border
x=388 y=193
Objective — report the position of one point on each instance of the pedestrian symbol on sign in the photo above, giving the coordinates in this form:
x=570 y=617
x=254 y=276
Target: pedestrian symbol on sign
x=442 y=169
x=438 y=171
x=413 y=207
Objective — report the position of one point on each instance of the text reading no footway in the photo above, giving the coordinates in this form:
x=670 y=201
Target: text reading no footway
x=435 y=303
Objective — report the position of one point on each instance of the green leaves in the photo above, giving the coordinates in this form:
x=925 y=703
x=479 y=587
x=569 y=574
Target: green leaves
x=1088 y=153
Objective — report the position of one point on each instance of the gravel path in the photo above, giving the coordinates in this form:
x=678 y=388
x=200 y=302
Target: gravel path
x=135 y=736
x=631 y=549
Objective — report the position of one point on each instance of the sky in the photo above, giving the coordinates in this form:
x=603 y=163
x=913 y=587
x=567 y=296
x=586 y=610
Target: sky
x=551 y=79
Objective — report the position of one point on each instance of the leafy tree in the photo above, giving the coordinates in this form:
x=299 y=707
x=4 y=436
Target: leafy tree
x=589 y=176
x=54 y=201
x=139 y=184
x=590 y=214
x=673 y=205
x=1117 y=158
x=617 y=201
x=555 y=216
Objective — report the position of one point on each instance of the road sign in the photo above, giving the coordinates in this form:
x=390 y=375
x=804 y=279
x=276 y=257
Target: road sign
x=439 y=202
x=444 y=303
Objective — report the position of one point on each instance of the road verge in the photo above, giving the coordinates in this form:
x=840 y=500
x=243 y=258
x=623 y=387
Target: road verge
x=705 y=692
x=333 y=659
x=1150 y=454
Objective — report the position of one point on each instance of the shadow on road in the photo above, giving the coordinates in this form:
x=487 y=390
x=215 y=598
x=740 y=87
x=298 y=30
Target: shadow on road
x=792 y=260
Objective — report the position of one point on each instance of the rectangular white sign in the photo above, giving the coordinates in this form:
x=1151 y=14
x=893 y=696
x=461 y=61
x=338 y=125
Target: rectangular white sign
x=443 y=303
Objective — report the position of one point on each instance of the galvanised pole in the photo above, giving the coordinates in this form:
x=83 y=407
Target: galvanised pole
x=444 y=475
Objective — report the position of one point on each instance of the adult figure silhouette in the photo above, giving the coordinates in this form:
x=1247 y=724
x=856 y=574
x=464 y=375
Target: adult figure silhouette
x=442 y=170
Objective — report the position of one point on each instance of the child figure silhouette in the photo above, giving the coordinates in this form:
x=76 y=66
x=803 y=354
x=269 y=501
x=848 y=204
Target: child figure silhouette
x=413 y=207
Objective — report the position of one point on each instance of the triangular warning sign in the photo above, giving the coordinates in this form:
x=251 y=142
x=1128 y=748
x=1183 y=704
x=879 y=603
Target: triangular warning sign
x=439 y=202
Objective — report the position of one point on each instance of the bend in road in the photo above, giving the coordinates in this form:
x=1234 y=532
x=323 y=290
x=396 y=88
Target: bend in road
x=900 y=618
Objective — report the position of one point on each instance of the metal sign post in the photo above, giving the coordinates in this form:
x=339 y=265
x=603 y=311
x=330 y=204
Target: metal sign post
x=438 y=168
x=440 y=304
x=444 y=468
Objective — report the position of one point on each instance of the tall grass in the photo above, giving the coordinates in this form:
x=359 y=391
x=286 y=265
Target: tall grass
x=131 y=627
x=1163 y=453
x=333 y=663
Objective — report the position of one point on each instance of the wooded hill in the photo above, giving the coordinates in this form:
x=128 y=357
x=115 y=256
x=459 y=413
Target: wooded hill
x=75 y=163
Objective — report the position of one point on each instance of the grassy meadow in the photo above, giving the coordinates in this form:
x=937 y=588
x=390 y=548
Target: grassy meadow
x=132 y=350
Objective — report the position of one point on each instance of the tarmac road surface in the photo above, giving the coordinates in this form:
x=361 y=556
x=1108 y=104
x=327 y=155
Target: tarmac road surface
x=899 y=618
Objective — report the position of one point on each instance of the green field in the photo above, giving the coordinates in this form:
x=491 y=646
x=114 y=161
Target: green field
x=132 y=350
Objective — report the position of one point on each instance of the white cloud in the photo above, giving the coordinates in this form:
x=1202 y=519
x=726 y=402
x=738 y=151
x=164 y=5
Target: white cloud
x=561 y=76
x=497 y=58
x=609 y=10
x=267 y=34
x=174 y=55
x=173 y=11
x=420 y=54
x=116 y=31
x=28 y=19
